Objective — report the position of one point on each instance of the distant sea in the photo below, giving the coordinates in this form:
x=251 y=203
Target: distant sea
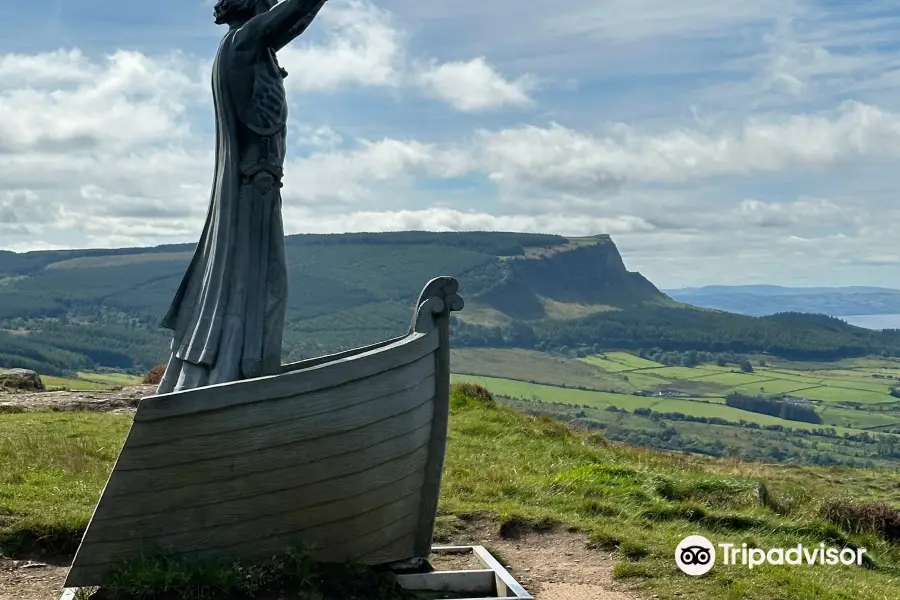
x=874 y=321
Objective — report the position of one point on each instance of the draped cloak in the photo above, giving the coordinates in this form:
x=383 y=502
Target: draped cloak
x=227 y=316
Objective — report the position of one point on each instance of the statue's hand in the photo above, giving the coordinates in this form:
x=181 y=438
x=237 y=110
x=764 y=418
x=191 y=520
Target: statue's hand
x=263 y=182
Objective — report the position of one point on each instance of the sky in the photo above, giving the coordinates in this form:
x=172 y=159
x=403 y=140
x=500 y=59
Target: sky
x=716 y=141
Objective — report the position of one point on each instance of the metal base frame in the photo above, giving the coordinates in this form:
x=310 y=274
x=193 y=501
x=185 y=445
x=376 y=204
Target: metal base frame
x=493 y=581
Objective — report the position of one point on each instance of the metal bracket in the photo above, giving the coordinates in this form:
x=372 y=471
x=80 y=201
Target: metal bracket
x=493 y=581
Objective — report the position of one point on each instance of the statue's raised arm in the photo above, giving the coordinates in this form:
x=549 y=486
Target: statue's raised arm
x=281 y=24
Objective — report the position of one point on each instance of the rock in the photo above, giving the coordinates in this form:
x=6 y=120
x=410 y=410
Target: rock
x=21 y=379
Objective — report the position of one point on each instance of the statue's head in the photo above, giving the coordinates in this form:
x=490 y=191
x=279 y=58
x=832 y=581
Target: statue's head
x=232 y=11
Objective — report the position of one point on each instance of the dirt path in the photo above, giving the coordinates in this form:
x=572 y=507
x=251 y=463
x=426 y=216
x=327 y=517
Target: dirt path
x=551 y=565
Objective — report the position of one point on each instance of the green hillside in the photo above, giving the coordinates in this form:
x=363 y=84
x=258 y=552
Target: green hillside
x=851 y=416
x=534 y=475
x=75 y=310
x=81 y=310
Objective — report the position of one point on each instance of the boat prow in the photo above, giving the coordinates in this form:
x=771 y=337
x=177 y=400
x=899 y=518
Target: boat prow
x=341 y=454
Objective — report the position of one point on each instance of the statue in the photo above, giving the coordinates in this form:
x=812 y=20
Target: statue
x=228 y=314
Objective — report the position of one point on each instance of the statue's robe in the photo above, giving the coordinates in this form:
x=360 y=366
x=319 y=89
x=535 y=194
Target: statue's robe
x=228 y=314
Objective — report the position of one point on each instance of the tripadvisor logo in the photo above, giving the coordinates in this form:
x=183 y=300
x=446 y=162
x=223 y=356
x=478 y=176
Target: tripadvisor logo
x=696 y=555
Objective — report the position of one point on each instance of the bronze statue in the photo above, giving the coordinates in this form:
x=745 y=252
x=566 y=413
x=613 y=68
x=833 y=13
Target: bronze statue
x=228 y=313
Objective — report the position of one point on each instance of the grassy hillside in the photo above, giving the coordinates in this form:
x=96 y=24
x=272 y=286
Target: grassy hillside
x=69 y=311
x=75 y=310
x=647 y=403
x=536 y=472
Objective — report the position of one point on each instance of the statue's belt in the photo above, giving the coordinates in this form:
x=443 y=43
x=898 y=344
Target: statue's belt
x=250 y=169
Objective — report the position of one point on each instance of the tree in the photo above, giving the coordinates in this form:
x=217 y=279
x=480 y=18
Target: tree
x=746 y=367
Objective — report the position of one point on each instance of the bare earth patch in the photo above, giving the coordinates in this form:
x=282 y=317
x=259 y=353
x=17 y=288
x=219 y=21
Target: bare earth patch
x=551 y=565
x=31 y=580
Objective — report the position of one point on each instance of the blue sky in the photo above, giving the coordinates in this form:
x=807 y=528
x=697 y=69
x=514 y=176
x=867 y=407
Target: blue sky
x=717 y=141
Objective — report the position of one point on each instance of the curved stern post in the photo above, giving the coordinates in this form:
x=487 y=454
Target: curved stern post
x=432 y=311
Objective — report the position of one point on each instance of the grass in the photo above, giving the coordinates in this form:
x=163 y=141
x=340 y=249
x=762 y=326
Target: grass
x=292 y=573
x=90 y=382
x=641 y=503
x=846 y=395
x=535 y=367
x=502 y=464
x=845 y=392
x=697 y=407
x=52 y=468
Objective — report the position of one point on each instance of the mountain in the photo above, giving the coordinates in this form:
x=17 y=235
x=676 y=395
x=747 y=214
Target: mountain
x=87 y=309
x=78 y=309
x=760 y=300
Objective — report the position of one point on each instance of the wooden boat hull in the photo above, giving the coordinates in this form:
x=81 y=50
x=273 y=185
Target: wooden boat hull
x=342 y=454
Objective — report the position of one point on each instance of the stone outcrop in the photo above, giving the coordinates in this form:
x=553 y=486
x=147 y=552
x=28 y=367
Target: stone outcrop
x=21 y=379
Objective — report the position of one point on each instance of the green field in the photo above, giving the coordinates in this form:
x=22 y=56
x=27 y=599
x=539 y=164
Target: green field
x=711 y=407
x=700 y=372
x=844 y=393
x=619 y=361
x=551 y=393
x=90 y=382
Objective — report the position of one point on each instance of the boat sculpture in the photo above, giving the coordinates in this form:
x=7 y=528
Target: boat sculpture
x=342 y=454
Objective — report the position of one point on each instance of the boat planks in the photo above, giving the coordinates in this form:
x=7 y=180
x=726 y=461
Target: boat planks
x=340 y=454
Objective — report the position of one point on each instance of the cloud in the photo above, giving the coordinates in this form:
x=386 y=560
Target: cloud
x=569 y=159
x=345 y=177
x=449 y=219
x=70 y=103
x=475 y=86
x=362 y=47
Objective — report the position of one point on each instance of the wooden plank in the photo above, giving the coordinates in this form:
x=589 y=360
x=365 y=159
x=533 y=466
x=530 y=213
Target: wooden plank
x=188 y=450
x=403 y=492
x=289 y=497
x=380 y=548
x=378 y=388
x=440 y=423
x=466 y=582
x=249 y=391
x=381 y=523
x=319 y=360
x=366 y=444
x=388 y=544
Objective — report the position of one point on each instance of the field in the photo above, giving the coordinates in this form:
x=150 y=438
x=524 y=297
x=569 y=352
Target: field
x=845 y=393
x=697 y=407
x=87 y=382
x=634 y=504
x=851 y=397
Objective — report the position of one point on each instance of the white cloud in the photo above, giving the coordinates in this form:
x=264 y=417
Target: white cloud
x=570 y=159
x=474 y=85
x=344 y=177
x=70 y=103
x=362 y=47
x=448 y=219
